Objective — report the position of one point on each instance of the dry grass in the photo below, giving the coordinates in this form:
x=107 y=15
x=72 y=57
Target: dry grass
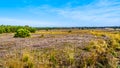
x=61 y=49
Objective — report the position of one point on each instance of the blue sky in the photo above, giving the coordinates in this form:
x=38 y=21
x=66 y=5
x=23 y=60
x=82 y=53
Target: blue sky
x=60 y=13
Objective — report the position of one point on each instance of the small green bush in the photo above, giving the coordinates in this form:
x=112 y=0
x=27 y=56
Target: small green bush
x=22 y=33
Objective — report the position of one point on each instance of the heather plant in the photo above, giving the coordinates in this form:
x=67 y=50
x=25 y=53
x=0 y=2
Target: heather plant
x=102 y=51
x=22 y=33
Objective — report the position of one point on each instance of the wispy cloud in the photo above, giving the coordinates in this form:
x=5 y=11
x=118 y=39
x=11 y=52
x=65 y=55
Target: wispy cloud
x=98 y=12
x=92 y=13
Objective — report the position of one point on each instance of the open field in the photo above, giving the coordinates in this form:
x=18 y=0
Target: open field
x=63 y=48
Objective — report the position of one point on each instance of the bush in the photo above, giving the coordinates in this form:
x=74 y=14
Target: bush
x=11 y=29
x=32 y=30
x=22 y=33
x=1 y=31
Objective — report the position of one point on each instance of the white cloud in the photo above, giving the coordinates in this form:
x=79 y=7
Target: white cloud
x=96 y=13
x=105 y=12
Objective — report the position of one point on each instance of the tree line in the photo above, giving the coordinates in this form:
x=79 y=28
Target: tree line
x=12 y=29
x=50 y=28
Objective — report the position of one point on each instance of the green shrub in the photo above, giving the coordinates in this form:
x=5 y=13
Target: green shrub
x=1 y=31
x=32 y=30
x=11 y=29
x=22 y=33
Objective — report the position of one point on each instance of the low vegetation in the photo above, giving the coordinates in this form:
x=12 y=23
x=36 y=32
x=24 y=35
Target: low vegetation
x=11 y=29
x=67 y=49
x=22 y=33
